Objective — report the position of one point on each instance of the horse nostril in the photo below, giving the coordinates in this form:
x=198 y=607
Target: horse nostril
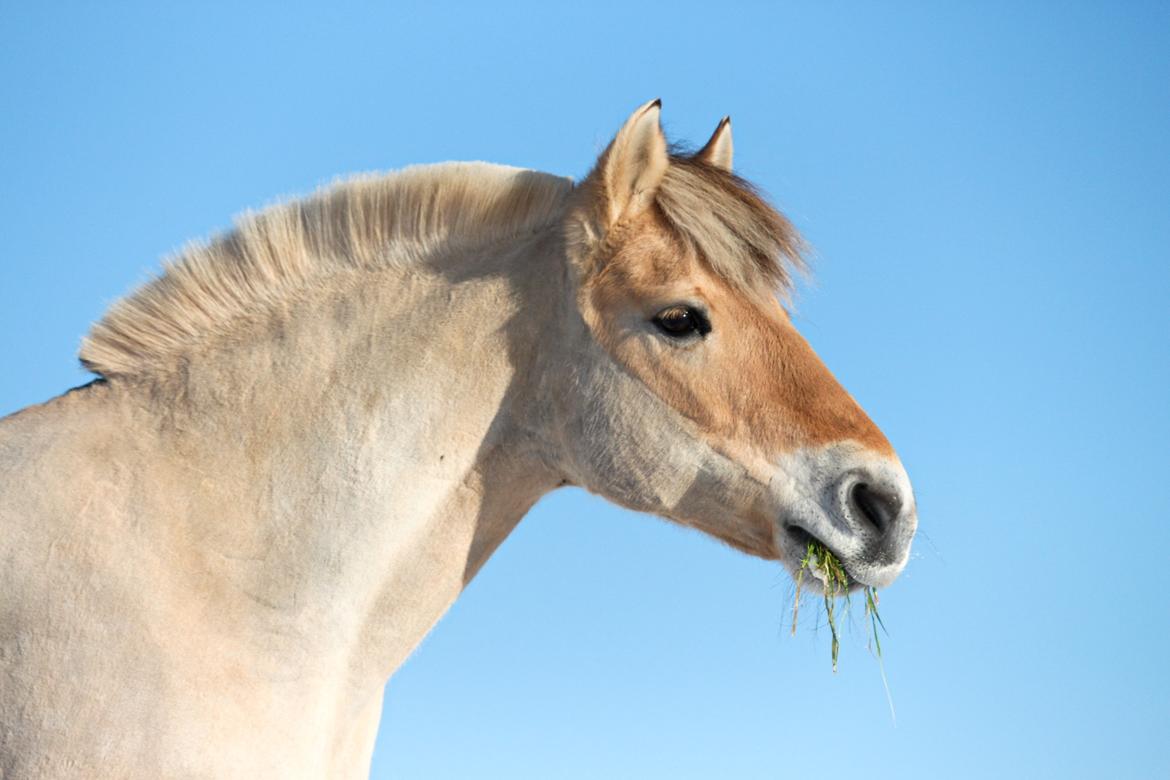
x=877 y=507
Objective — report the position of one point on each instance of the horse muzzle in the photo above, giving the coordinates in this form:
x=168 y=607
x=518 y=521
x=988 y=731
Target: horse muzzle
x=856 y=503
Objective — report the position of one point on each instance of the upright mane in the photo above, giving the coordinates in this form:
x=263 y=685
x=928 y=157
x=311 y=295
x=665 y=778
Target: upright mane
x=369 y=222
x=374 y=222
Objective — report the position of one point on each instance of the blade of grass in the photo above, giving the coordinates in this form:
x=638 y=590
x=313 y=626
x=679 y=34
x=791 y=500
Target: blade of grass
x=875 y=620
x=835 y=582
x=796 y=600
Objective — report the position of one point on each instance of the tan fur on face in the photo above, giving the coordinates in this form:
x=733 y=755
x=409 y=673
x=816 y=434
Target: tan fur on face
x=753 y=381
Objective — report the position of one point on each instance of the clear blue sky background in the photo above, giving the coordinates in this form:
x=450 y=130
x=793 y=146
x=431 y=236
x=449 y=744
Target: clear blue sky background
x=988 y=191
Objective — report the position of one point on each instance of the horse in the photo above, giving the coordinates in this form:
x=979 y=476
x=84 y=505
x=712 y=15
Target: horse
x=308 y=434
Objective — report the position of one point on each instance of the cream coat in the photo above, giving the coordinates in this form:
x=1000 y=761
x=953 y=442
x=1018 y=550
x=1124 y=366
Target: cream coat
x=311 y=433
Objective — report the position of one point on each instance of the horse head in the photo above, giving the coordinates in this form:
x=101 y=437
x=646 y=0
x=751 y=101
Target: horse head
x=691 y=394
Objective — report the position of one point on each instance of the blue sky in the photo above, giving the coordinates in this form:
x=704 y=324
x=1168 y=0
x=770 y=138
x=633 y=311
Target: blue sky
x=987 y=187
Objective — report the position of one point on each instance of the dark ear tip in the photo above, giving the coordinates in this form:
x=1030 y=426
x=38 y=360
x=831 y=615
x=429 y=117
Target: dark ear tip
x=657 y=103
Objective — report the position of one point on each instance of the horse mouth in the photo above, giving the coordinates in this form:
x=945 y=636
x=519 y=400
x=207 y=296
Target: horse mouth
x=797 y=546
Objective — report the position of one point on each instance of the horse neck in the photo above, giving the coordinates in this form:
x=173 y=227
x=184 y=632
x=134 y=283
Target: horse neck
x=370 y=451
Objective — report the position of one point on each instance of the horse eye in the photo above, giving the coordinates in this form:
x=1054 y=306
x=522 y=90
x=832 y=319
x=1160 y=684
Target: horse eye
x=682 y=321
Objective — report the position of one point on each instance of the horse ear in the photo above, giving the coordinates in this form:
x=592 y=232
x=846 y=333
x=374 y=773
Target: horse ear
x=717 y=151
x=632 y=167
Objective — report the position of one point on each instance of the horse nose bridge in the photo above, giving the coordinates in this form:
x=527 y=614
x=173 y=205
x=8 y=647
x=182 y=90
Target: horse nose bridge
x=828 y=415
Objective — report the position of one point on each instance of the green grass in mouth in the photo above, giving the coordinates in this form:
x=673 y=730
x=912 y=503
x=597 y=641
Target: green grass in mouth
x=836 y=585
